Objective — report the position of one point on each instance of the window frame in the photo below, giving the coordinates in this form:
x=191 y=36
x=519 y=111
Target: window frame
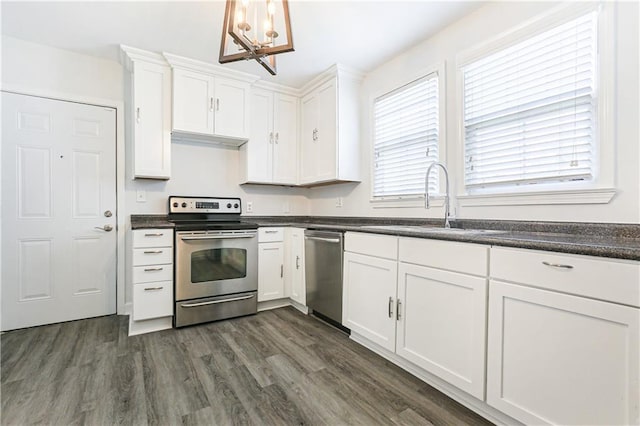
x=409 y=200
x=597 y=191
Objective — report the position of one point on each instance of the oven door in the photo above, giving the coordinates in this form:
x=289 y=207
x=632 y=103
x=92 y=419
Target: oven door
x=215 y=263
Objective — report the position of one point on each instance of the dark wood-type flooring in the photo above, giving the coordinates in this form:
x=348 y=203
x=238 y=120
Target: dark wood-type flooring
x=275 y=368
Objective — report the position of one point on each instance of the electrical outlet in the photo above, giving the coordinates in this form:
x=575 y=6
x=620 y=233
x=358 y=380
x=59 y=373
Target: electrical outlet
x=339 y=202
x=141 y=196
x=249 y=206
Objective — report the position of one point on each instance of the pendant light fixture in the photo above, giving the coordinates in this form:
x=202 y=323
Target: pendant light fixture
x=256 y=29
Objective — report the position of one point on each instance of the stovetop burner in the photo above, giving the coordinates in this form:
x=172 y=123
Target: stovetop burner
x=207 y=213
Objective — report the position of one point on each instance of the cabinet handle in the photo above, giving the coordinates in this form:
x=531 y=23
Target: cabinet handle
x=281 y=271
x=277 y=136
x=153 y=288
x=154 y=235
x=138 y=115
x=211 y=104
x=271 y=137
x=297 y=262
x=217 y=104
x=557 y=265
x=390 y=307
x=270 y=232
x=153 y=251
x=153 y=269
x=398 y=306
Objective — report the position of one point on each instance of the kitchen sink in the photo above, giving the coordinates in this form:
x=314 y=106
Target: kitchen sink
x=435 y=230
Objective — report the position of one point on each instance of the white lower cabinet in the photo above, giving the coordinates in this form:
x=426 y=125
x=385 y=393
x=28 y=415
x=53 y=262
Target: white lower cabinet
x=294 y=269
x=560 y=359
x=152 y=273
x=442 y=324
x=270 y=264
x=370 y=291
x=434 y=318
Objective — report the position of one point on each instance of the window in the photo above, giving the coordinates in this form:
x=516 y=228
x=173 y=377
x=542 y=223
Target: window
x=405 y=139
x=530 y=110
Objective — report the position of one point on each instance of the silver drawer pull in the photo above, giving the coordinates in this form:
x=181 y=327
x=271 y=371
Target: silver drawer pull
x=557 y=265
x=154 y=235
x=153 y=251
x=398 y=314
x=152 y=288
x=390 y=307
x=215 y=302
x=152 y=269
x=326 y=240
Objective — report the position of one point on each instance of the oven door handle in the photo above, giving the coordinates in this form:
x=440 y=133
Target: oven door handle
x=216 y=237
x=215 y=302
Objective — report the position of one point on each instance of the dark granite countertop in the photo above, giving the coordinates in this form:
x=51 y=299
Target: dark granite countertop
x=621 y=241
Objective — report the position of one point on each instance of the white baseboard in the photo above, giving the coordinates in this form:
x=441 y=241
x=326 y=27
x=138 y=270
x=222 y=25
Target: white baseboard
x=299 y=306
x=472 y=403
x=148 y=326
x=273 y=304
x=125 y=309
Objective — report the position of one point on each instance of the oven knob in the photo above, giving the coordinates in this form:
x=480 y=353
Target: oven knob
x=229 y=205
x=235 y=205
x=184 y=205
x=175 y=204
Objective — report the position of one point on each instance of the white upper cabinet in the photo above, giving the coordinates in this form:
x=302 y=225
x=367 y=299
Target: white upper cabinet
x=148 y=123
x=329 y=142
x=270 y=156
x=210 y=103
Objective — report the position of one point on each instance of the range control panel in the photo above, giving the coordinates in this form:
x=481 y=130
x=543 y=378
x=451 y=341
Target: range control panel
x=204 y=205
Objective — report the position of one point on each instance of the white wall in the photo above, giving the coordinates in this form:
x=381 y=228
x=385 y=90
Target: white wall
x=486 y=23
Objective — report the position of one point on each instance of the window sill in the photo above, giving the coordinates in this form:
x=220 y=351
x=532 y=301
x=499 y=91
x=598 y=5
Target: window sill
x=418 y=202
x=583 y=196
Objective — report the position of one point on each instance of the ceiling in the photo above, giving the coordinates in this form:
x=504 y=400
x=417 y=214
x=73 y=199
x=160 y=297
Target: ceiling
x=359 y=34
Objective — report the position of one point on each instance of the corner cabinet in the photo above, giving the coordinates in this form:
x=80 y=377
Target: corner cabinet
x=148 y=111
x=270 y=155
x=209 y=102
x=294 y=265
x=330 y=122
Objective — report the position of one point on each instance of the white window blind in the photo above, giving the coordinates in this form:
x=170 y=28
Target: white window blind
x=406 y=139
x=529 y=110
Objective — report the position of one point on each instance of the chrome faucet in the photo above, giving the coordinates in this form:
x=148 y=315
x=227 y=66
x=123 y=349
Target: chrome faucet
x=446 y=197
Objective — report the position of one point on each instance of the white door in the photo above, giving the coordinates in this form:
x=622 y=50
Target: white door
x=553 y=358
x=442 y=324
x=369 y=295
x=270 y=271
x=326 y=156
x=260 y=145
x=231 y=108
x=296 y=261
x=193 y=102
x=58 y=182
x=285 y=148
x=308 y=139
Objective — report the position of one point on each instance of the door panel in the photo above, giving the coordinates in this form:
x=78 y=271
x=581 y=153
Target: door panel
x=259 y=148
x=285 y=148
x=326 y=146
x=270 y=271
x=307 y=138
x=58 y=178
x=232 y=108
x=193 y=102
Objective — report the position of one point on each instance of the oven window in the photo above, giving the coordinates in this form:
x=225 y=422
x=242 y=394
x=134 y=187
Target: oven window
x=218 y=264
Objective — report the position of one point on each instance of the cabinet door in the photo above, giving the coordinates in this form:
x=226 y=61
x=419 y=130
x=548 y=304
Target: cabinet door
x=560 y=359
x=369 y=293
x=270 y=271
x=296 y=261
x=231 y=108
x=193 y=102
x=152 y=300
x=285 y=148
x=259 y=148
x=326 y=145
x=152 y=120
x=308 y=139
x=442 y=324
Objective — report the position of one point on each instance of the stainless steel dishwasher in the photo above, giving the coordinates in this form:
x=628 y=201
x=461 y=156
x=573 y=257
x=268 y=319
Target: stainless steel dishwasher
x=323 y=273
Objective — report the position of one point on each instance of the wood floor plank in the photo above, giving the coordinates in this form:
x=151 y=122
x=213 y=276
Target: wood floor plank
x=279 y=367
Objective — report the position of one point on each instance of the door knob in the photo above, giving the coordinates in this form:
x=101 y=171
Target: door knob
x=107 y=228
x=108 y=213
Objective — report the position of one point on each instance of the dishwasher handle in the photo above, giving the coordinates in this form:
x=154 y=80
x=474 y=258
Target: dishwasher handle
x=326 y=240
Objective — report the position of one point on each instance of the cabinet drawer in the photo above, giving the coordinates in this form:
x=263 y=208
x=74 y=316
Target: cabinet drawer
x=384 y=246
x=152 y=238
x=152 y=273
x=152 y=300
x=270 y=235
x=605 y=279
x=152 y=256
x=449 y=255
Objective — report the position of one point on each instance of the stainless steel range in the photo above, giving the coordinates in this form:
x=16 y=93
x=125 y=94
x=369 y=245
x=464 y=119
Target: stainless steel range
x=216 y=260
